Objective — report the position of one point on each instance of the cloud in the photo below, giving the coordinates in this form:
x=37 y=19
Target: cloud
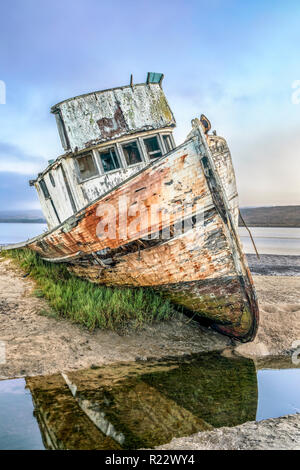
x=15 y=192
x=13 y=159
x=16 y=168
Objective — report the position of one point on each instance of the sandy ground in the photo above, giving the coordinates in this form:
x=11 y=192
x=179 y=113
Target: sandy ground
x=279 y=329
x=37 y=344
x=270 y=434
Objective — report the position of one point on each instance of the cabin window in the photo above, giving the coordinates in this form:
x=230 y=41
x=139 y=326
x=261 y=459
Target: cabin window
x=87 y=166
x=44 y=189
x=52 y=179
x=152 y=147
x=109 y=160
x=168 y=142
x=132 y=153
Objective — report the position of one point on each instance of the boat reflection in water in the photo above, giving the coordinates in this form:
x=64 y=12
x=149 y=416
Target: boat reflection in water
x=143 y=404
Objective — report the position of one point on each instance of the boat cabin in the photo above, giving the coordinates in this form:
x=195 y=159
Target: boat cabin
x=107 y=136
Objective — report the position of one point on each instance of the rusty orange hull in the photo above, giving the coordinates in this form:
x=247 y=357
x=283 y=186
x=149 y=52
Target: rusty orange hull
x=188 y=247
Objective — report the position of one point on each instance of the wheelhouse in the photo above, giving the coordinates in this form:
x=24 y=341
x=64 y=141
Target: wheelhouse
x=108 y=136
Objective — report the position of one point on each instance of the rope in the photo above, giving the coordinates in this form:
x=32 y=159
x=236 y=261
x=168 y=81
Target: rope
x=253 y=243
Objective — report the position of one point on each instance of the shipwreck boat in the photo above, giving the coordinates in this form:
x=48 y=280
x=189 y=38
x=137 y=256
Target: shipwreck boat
x=125 y=206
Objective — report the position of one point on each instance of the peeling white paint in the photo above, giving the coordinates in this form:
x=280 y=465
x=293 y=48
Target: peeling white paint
x=104 y=115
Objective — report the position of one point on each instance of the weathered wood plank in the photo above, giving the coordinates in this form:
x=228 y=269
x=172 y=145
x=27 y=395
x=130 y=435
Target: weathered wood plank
x=203 y=269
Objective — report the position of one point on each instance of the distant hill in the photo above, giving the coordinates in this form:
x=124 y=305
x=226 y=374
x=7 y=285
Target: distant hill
x=26 y=216
x=275 y=216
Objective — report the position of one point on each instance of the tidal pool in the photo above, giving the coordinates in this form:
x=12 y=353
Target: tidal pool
x=19 y=429
x=144 y=404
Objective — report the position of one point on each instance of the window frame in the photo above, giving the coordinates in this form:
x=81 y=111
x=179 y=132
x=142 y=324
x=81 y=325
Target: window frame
x=171 y=140
x=78 y=157
x=161 y=149
x=104 y=150
x=122 y=144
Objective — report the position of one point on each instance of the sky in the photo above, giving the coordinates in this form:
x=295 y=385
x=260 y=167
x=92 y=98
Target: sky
x=235 y=61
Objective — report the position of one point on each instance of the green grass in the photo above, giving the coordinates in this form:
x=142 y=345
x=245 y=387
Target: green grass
x=89 y=304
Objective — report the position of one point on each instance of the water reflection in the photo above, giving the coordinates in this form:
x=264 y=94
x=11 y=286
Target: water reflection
x=278 y=387
x=19 y=429
x=134 y=405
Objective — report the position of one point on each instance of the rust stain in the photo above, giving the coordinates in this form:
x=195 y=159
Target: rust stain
x=110 y=127
x=183 y=158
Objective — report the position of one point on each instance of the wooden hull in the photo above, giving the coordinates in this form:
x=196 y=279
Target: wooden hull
x=194 y=255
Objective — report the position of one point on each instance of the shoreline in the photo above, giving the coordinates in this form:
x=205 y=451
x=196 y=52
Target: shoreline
x=274 y=265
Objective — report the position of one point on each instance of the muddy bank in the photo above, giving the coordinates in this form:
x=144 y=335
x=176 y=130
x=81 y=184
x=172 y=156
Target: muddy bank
x=274 y=265
x=37 y=345
x=270 y=434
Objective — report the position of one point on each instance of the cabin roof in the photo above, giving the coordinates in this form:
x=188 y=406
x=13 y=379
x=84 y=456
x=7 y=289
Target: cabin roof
x=94 y=118
x=55 y=107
